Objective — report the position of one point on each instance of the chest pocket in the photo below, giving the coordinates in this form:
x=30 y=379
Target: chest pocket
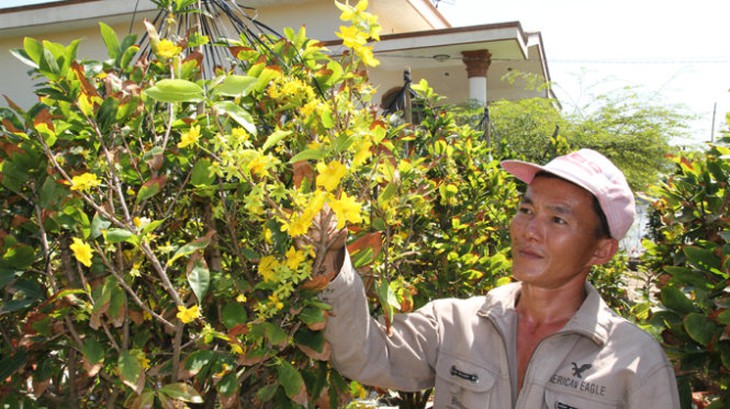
x=462 y=384
x=563 y=400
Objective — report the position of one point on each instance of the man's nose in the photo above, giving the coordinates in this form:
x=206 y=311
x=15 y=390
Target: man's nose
x=534 y=229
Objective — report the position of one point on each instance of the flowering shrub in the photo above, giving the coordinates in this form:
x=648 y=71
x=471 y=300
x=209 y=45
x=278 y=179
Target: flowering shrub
x=152 y=219
x=689 y=252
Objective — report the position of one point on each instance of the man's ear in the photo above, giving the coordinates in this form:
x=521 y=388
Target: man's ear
x=605 y=250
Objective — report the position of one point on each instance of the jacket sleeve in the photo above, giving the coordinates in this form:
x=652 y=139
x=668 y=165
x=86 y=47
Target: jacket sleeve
x=361 y=348
x=657 y=390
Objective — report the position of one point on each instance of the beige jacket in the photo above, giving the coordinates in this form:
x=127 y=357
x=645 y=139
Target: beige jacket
x=466 y=349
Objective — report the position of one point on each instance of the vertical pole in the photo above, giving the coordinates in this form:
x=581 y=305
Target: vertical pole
x=408 y=106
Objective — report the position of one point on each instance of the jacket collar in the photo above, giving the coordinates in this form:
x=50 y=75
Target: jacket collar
x=591 y=320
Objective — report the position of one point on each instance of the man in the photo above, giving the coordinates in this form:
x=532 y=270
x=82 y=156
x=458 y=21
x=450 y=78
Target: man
x=546 y=341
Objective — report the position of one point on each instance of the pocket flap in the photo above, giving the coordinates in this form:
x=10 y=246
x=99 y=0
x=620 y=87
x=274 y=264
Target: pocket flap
x=559 y=400
x=464 y=374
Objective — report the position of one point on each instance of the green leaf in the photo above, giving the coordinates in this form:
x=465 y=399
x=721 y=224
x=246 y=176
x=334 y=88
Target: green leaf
x=152 y=226
x=308 y=154
x=388 y=301
x=702 y=258
x=274 y=138
x=12 y=362
x=699 y=328
x=387 y=193
x=114 y=236
x=20 y=256
x=267 y=392
x=150 y=188
x=130 y=369
x=674 y=298
x=69 y=56
x=182 y=391
x=25 y=293
x=201 y=174
x=33 y=49
x=117 y=311
x=234 y=86
x=190 y=248
x=312 y=316
x=233 y=314
x=144 y=401
x=110 y=40
x=344 y=141
x=238 y=114
x=175 y=90
x=199 y=279
x=107 y=114
x=128 y=56
x=93 y=351
x=98 y=224
x=228 y=385
x=290 y=379
x=197 y=360
x=313 y=340
x=275 y=334
x=23 y=57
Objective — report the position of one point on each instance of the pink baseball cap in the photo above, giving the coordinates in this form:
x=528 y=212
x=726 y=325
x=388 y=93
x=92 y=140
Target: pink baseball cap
x=594 y=173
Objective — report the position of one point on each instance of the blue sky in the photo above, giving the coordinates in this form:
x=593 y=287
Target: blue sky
x=675 y=51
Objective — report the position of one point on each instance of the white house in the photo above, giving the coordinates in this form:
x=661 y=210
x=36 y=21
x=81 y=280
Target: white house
x=460 y=63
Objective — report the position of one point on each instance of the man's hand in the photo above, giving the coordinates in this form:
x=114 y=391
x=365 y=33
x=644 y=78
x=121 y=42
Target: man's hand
x=328 y=242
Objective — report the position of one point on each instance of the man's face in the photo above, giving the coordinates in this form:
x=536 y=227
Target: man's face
x=553 y=235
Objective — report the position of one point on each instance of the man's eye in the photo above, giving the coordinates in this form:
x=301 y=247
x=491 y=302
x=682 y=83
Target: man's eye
x=558 y=220
x=524 y=210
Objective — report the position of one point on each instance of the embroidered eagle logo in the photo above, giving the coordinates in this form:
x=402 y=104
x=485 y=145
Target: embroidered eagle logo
x=578 y=371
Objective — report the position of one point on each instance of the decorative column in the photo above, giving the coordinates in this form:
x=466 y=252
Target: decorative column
x=477 y=64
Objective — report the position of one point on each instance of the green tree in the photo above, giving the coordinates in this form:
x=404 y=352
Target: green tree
x=634 y=132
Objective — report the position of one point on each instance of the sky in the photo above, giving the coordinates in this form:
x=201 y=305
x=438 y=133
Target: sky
x=677 y=52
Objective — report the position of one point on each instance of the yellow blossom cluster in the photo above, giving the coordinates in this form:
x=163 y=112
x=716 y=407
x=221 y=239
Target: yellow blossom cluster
x=281 y=276
x=190 y=137
x=330 y=175
x=187 y=315
x=167 y=49
x=84 y=182
x=364 y=27
x=301 y=222
x=291 y=90
x=82 y=251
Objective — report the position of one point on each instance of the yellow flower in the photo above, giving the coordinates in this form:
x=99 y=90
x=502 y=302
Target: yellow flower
x=349 y=12
x=352 y=36
x=187 y=315
x=167 y=49
x=82 y=251
x=347 y=209
x=294 y=258
x=260 y=164
x=190 y=137
x=84 y=182
x=366 y=54
x=241 y=298
x=267 y=267
x=298 y=226
x=363 y=153
x=274 y=299
x=330 y=175
x=142 y=358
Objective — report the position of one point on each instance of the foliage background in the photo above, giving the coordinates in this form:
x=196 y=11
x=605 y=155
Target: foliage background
x=151 y=215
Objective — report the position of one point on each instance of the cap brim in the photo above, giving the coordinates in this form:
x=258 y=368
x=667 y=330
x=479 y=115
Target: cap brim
x=524 y=171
